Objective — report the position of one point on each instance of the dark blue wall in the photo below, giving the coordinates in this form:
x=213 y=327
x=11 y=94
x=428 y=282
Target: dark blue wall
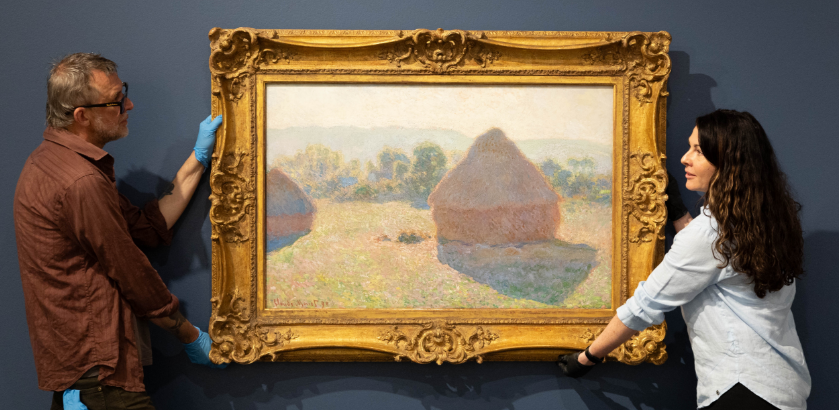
x=777 y=60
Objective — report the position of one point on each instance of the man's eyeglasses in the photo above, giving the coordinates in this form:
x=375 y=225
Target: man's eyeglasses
x=120 y=103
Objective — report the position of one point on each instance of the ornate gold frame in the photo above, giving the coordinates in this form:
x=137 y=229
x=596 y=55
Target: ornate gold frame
x=244 y=60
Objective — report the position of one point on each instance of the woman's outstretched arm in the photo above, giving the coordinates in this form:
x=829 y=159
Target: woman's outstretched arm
x=615 y=334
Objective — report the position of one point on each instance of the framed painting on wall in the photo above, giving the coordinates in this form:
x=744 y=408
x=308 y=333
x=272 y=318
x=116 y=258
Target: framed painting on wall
x=434 y=196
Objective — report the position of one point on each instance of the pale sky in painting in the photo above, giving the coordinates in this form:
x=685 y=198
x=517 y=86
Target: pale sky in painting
x=523 y=112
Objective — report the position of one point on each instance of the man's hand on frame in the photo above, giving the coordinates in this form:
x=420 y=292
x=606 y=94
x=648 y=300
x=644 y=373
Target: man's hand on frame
x=206 y=140
x=199 y=351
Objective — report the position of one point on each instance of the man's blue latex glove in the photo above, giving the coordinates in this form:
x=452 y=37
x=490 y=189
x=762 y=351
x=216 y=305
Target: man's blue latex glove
x=206 y=140
x=199 y=351
x=72 y=401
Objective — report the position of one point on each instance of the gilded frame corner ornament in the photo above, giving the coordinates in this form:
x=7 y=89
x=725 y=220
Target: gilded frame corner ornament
x=635 y=64
x=645 y=346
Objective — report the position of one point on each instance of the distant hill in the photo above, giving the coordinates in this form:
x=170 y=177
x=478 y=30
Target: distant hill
x=365 y=143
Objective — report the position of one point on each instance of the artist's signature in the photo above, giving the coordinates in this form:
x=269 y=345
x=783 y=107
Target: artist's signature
x=314 y=303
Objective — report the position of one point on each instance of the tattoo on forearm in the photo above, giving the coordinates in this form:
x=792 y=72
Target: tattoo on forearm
x=178 y=326
x=179 y=320
x=169 y=190
x=175 y=326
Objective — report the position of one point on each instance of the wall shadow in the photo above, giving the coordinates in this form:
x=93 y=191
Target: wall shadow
x=811 y=308
x=690 y=97
x=178 y=259
x=491 y=385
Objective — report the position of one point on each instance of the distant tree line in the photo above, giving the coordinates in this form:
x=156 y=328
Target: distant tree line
x=323 y=173
x=578 y=179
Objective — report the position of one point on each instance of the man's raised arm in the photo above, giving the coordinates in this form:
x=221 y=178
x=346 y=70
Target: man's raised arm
x=180 y=190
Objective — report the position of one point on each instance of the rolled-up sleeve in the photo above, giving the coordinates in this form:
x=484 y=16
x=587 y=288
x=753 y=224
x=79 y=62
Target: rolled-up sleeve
x=687 y=269
x=147 y=226
x=91 y=214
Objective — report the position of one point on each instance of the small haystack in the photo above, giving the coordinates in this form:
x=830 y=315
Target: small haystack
x=288 y=210
x=494 y=196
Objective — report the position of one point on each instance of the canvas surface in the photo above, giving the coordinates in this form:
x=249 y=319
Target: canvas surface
x=438 y=196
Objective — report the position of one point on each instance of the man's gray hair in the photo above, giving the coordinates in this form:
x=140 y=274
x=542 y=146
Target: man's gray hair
x=69 y=85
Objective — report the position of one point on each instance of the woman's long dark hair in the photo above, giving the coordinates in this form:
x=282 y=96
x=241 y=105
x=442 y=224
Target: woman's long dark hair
x=759 y=229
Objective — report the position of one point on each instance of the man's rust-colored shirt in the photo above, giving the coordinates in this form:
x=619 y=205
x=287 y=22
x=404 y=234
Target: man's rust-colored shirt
x=82 y=271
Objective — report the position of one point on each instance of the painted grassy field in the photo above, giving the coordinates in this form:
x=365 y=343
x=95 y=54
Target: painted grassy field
x=353 y=258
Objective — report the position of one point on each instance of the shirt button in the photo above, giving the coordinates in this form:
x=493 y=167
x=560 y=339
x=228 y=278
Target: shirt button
x=718 y=392
x=100 y=389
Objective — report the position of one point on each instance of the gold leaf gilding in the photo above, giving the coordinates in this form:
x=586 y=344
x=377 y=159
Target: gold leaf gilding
x=232 y=197
x=439 y=342
x=236 y=339
x=646 y=196
x=646 y=346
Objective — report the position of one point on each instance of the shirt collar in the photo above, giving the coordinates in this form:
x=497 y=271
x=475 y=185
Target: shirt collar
x=73 y=142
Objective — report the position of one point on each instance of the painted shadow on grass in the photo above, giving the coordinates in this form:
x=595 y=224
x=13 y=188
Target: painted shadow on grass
x=545 y=271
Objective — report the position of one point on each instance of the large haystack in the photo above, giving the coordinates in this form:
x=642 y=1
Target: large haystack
x=494 y=196
x=288 y=210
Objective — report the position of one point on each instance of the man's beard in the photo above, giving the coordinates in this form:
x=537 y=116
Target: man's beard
x=107 y=133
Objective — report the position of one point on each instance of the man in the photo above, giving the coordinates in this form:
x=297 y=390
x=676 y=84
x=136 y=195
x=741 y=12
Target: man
x=84 y=277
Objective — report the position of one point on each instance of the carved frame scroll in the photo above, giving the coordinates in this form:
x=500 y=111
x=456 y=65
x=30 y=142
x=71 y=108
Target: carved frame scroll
x=244 y=60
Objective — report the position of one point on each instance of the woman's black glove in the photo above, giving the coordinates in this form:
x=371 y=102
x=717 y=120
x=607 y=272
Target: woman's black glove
x=675 y=207
x=572 y=367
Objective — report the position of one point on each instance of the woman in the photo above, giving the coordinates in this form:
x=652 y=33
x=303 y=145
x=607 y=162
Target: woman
x=732 y=270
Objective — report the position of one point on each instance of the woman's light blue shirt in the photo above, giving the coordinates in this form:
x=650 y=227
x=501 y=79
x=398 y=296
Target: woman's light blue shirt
x=735 y=336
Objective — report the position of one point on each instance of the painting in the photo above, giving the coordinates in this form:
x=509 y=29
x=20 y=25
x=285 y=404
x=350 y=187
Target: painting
x=433 y=196
x=500 y=196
